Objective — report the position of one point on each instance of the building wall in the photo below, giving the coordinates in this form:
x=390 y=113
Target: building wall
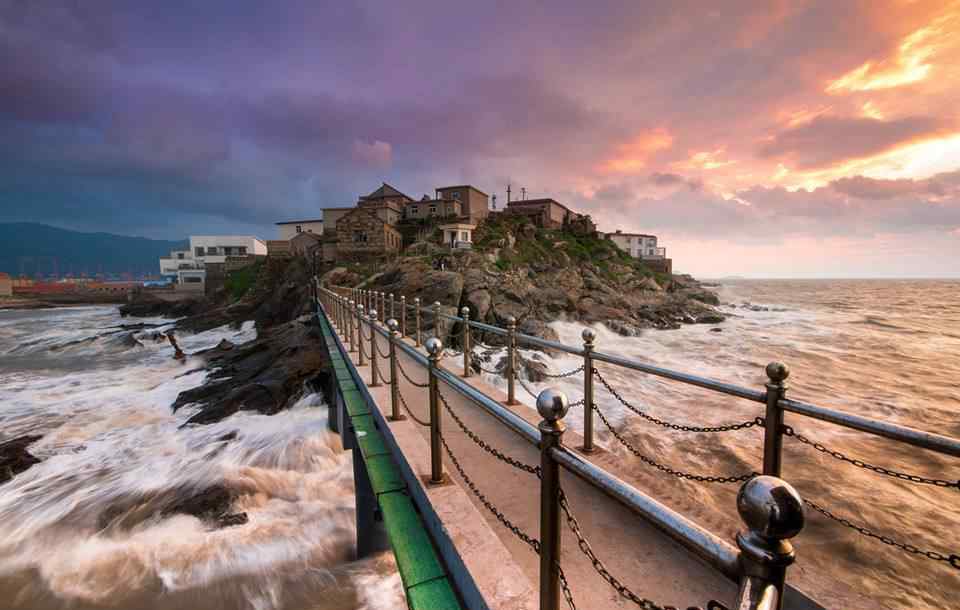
x=474 y=204
x=225 y=245
x=331 y=216
x=303 y=244
x=636 y=244
x=290 y=230
x=363 y=235
x=432 y=208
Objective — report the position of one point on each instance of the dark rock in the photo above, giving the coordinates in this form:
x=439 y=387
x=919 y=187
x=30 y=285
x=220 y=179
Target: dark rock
x=14 y=457
x=210 y=504
x=225 y=344
x=716 y=330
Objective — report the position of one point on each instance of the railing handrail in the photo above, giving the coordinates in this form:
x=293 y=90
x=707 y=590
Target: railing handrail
x=918 y=438
x=709 y=547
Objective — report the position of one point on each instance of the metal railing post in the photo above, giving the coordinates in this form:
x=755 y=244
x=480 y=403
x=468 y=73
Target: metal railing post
x=403 y=316
x=777 y=373
x=383 y=306
x=392 y=312
x=588 y=338
x=772 y=510
x=436 y=320
x=465 y=313
x=360 y=317
x=511 y=360
x=395 y=414
x=552 y=406
x=435 y=350
x=416 y=306
x=351 y=311
x=374 y=373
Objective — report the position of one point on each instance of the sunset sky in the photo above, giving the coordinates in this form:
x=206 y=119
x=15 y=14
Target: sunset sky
x=784 y=139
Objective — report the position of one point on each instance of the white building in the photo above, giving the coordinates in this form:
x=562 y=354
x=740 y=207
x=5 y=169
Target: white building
x=458 y=234
x=638 y=245
x=187 y=266
x=291 y=228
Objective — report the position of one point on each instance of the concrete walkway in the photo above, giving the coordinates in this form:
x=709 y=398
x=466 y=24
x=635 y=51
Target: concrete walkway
x=645 y=560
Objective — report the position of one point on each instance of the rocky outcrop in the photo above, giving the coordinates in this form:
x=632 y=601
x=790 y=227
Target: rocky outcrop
x=212 y=505
x=266 y=375
x=608 y=291
x=14 y=457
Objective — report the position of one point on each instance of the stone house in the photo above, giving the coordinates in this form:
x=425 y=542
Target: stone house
x=363 y=234
x=428 y=208
x=546 y=213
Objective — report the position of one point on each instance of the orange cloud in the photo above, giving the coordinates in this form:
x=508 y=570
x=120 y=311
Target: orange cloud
x=912 y=62
x=631 y=157
x=707 y=160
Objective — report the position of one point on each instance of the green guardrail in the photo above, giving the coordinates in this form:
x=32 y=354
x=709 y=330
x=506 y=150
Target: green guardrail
x=426 y=583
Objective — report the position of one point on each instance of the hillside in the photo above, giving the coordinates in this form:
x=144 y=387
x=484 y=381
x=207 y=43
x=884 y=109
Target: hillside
x=538 y=276
x=32 y=248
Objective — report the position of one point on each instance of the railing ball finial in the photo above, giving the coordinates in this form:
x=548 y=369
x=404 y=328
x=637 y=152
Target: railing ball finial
x=552 y=405
x=778 y=372
x=434 y=347
x=465 y=311
x=393 y=325
x=588 y=335
x=770 y=508
x=373 y=313
x=511 y=321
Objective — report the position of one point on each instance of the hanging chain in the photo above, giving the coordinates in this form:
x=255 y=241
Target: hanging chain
x=517 y=531
x=601 y=569
x=579 y=369
x=403 y=403
x=677 y=473
x=407 y=377
x=757 y=421
x=903 y=476
x=483 y=445
x=382 y=355
x=953 y=559
x=535 y=396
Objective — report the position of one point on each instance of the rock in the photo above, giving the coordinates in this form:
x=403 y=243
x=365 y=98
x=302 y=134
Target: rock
x=716 y=330
x=479 y=303
x=225 y=345
x=648 y=283
x=14 y=457
x=209 y=504
x=709 y=317
x=538 y=328
x=624 y=329
x=528 y=231
x=704 y=296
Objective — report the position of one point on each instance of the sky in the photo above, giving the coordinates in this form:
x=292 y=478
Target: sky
x=762 y=139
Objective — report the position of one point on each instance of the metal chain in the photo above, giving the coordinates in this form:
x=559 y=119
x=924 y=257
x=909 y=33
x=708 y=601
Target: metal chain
x=535 y=396
x=677 y=473
x=579 y=369
x=488 y=371
x=952 y=559
x=757 y=421
x=517 y=531
x=903 y=476
x=483 y=445
x=363 y=352
x=601 y=569
x=382 y=355
x=407 y=377
x=403 y=403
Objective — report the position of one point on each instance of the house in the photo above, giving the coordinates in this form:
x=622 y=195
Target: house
x=458 y=234
x=432 y=208
x=305 y=244
x=6 y=285
x=363 y=234
x=187 y=268
x=546 y=213
x=475 y=204
x=643 y=247
x=291 y=228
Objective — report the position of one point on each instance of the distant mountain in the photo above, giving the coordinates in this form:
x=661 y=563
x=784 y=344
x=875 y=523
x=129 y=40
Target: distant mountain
x=31 y=248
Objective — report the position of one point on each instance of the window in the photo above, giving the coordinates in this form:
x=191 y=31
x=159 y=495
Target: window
x=198 y=251
x=299 y=229
x=211 y=250
x=360 y=237
x=464 y=236
x=242 y=250
x=650 y=252
x=433 y=208
x=414 y=210
x=455 y=195
x=180 y=255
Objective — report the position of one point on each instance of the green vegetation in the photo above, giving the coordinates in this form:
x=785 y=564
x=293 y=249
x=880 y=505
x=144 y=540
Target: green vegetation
x=240 y=281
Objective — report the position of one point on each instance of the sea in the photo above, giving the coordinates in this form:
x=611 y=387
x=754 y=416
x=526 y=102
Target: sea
x=888 y=349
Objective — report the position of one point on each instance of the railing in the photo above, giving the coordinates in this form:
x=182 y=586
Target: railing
x=770 y=508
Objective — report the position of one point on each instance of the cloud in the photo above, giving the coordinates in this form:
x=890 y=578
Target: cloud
x=828 y=140
x=376 y=154
x=633 y=155
x=668 y=179
x=873 y=188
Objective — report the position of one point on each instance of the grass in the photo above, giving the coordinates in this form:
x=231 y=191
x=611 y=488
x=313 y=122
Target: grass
x=240 y=281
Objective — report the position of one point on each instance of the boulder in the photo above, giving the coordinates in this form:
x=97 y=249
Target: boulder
x=528 y=231
x=479 y=303
x=14 y=457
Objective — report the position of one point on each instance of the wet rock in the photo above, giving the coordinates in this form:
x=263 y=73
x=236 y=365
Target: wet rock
x=716 y=330
x=212 y=505
x=14 y=457
x=225 y=344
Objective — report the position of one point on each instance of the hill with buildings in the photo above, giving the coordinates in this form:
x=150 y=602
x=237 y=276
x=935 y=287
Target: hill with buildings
x=36 y=249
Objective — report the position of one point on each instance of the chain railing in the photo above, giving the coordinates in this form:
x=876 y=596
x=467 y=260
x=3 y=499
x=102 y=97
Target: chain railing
x=754 y=548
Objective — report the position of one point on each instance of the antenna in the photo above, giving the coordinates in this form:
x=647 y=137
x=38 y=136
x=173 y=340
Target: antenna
x=523 y=193
x=494 y=201
x=508 y=193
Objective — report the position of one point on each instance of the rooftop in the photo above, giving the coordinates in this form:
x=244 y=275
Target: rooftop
x=296 y=222
x=461 y=186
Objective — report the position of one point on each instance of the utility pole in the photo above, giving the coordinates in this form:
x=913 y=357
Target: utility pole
x=494 y=201
x=508 y=193
x=523 y=193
